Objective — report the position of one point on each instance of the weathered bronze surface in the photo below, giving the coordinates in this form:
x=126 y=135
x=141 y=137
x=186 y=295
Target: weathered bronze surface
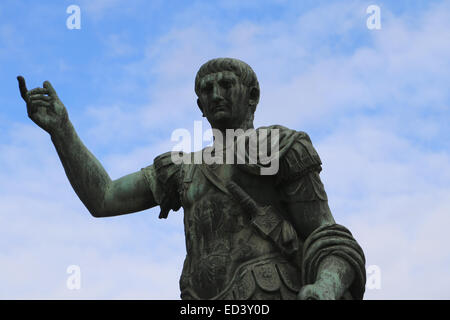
x=248 y=235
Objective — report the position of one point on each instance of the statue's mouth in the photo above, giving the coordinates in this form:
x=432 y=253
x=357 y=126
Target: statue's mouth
x=221 y=107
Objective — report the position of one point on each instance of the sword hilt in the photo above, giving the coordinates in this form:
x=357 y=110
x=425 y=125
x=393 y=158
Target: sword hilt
x=243 y=198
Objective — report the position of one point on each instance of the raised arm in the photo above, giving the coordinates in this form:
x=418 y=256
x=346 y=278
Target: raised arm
x=101 y=196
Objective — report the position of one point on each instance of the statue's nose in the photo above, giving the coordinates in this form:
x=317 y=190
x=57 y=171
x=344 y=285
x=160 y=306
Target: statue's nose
x=216 y=94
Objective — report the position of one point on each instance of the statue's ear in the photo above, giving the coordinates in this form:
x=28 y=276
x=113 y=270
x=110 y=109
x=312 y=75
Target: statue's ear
x=199 y=103
x=253 y=97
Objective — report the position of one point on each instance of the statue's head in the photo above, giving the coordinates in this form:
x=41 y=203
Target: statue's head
x=228 y=93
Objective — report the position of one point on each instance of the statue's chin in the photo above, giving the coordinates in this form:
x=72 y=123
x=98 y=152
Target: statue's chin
x=221 y=119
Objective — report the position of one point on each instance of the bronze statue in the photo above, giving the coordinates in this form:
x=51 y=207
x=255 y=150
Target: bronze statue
x=248 y=235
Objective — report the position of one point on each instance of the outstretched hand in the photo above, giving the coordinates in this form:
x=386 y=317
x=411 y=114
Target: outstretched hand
x=316 y=291
x=43 y=106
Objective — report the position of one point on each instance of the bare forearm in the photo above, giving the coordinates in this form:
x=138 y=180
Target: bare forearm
x=85 y=173
x=335 y=274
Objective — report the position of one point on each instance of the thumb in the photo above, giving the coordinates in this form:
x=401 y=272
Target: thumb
x=307 y=293
x=51 y=90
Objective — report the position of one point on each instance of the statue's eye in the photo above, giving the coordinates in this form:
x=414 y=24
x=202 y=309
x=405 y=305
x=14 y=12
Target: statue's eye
x=226 y=84
x=207 y=87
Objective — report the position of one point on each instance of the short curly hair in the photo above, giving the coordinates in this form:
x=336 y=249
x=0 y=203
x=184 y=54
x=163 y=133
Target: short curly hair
x=238 y=67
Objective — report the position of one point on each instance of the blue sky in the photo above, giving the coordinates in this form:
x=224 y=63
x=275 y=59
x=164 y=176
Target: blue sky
x=374 y=102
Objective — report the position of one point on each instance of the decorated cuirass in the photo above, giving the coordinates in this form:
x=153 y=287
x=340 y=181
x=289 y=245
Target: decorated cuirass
x=226 y=256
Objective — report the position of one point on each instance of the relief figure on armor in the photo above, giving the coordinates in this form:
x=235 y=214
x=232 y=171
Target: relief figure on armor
x=248 y=235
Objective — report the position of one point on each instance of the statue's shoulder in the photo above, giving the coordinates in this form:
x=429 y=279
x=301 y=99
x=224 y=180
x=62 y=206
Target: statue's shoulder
x=167 y=181
x=177 y=166
x=165 y=160
x=290 y=140
x=297 y=154
x=168 y=165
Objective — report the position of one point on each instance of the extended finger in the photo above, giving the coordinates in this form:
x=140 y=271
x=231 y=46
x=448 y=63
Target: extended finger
x=22 y=87
x=40 y=97
x=49 y=87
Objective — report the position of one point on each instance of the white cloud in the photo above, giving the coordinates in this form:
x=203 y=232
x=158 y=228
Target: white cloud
x=395 y=199
x=118 y=45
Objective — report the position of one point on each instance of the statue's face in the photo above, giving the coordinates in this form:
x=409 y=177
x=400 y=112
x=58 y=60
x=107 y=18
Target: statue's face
x=223 y=99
